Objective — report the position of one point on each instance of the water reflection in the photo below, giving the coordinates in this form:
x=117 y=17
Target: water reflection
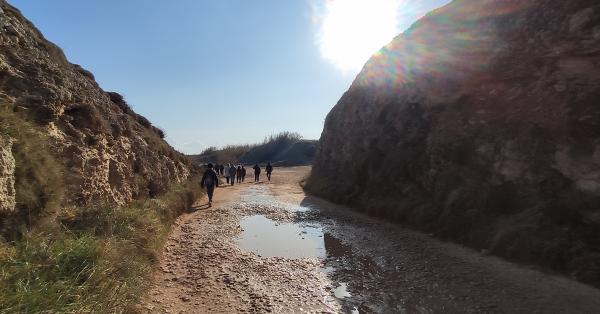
x=268 y=238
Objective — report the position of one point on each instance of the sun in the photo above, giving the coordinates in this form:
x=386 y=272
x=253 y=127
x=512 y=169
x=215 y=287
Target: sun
x=350 y=31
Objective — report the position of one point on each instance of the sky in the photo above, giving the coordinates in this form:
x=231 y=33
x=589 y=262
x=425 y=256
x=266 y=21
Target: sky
x=220 y=72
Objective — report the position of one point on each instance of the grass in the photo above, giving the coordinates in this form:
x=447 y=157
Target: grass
x=38 y=183
x=91 y=259
x=58 y=258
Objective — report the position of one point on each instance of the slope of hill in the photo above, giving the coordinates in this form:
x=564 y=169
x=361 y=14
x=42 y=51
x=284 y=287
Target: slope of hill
x=480 y=124
x=284 y=149
x=111 y=152
x=88 y=187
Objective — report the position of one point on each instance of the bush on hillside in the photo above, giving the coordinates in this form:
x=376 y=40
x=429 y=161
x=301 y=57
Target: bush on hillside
x=86 y=116
x=84 y=72
x=143 y=121
x=38 y=182
x=228 y=154
x=118 y=100
x=272 y=146
x=160 y=132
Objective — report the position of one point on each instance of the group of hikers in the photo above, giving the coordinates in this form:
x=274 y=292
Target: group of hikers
x=232 y=173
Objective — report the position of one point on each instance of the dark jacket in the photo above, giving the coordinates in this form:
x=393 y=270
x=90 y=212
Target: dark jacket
x=210 y=175
x=256 y=169
x=269 y=168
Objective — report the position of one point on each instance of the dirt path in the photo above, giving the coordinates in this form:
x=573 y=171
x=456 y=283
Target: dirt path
x=270 y=248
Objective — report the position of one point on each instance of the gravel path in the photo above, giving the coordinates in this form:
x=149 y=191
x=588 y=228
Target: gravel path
x=270 y=248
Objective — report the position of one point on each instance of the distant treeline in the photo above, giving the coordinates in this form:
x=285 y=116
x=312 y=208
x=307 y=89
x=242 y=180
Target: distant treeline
x=283 y=149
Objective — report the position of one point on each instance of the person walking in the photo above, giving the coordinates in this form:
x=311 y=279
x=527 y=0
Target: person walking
x=222 y=168
x=256 y=173
x=238 y=174
x=227 y=173
x=210 y=181
x=232 y=171
x=269 y=170
x=243 y=173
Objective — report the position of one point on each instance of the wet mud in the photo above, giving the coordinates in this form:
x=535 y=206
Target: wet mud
x=271 y=248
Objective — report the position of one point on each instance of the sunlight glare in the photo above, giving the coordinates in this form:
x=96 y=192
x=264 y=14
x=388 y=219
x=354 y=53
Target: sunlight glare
x=353 y=30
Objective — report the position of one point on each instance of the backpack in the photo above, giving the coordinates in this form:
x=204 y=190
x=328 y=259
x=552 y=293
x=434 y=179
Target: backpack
x=209 y=180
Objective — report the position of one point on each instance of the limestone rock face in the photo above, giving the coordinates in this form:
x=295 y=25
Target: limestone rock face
x=110 y=152
x=480 y=123
x=7 y=176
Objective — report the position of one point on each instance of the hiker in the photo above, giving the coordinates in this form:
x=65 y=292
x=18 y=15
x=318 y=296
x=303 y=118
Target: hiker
x=243 y=173
x=269 y=170
x=227 y=173
x=238 y=174
x=232 y=171
x=256 y=173
x=222 y=168
x=210 y=181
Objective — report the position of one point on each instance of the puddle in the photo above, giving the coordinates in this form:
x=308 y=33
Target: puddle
x=342 y=291
x=268 y=238
x=259 y=195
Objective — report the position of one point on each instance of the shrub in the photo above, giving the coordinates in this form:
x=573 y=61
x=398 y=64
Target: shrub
x=38 y=182
x=271 y=146
x=84 y=72
x=86 y=116
x=118 y=100
x=143 y=121
x=160 y=132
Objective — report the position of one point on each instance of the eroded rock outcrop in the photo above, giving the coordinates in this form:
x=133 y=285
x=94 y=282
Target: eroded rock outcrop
x=110 y=153
x=7 y=175
x=480 y=123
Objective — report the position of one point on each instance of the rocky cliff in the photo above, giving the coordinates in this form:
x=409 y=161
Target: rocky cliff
x=108 y=152
x=480 y=123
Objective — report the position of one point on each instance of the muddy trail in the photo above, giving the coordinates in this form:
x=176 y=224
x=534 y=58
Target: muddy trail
x=268 y=247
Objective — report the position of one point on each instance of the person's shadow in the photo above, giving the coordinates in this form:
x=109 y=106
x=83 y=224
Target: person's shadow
x=199 y=207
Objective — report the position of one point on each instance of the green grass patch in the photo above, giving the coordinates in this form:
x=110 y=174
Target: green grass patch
x=92 y=259
x=56 y=258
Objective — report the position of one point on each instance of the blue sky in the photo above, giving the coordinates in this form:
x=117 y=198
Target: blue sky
x=212 y=73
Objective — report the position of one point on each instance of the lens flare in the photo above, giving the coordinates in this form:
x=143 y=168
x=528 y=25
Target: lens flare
x=353 y=30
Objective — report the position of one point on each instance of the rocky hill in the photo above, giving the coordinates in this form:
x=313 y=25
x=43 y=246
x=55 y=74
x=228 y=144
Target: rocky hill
x=106 y=152
x=480 y=124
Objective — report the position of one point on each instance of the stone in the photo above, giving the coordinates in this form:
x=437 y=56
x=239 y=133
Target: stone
x=481 y=123
x=7 y=175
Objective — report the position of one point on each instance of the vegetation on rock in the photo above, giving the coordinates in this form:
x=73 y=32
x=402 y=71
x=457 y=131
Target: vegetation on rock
x=283 y=149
